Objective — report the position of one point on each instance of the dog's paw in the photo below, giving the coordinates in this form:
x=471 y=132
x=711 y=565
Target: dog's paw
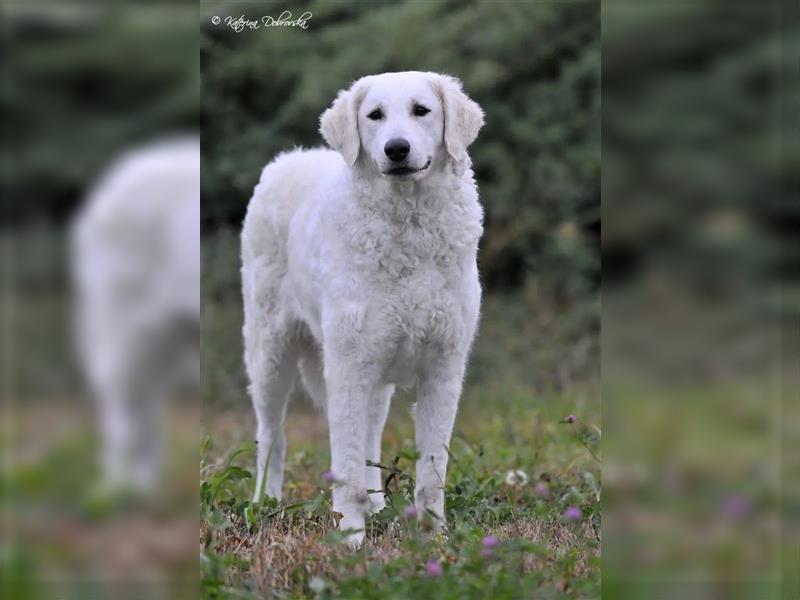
x=376 y=504
x=355 y=540
x=351 y=529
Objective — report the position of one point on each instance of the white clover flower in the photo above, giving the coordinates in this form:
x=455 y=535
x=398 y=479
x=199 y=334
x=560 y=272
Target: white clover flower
x=517 y=477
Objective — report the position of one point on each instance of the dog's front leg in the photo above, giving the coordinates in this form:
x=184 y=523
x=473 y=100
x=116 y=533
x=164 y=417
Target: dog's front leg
x=347 y=422
x=377 y=411
x=437 y=403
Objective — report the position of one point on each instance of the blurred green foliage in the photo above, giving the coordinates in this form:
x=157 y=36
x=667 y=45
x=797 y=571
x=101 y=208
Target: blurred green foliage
x=699 y=157
x=81 y=83
x=700 y=302
x=534 y=67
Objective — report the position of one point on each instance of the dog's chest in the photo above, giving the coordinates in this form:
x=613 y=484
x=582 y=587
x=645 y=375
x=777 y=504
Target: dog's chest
x=420 y=284
x=410 y=284
x=423 y=315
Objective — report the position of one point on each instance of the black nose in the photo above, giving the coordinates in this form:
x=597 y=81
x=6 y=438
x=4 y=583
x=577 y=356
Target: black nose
x=397 y=149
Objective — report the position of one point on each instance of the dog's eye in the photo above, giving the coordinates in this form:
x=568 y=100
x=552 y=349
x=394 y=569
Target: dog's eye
x=420 y=111
x=375 y=115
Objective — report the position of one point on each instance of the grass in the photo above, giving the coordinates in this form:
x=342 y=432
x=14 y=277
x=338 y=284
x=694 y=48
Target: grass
x=61 y=538
x=291 y=549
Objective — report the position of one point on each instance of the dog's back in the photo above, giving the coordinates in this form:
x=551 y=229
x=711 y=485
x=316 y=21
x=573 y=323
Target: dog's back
x=292 y=178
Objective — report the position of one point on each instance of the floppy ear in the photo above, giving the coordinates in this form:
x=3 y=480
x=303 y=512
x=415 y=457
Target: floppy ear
x=339 y=124
x=463 y=118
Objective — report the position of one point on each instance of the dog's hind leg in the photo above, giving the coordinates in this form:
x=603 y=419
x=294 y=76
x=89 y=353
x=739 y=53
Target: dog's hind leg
x=271 y=359
x=130 y=409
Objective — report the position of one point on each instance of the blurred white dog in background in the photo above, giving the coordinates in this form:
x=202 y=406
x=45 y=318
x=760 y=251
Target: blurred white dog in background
x=359 y=272
x=136 y=274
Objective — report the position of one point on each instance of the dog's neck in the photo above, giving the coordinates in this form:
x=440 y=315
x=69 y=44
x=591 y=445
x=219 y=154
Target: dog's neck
x=399 y=199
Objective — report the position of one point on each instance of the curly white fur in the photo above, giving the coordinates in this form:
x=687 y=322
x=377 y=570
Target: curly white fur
x=363 y=281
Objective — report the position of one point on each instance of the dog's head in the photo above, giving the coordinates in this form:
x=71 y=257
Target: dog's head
x=402 y=124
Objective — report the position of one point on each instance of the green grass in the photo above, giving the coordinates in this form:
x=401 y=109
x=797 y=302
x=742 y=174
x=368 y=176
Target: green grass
x=292 y=549
x=66 y=536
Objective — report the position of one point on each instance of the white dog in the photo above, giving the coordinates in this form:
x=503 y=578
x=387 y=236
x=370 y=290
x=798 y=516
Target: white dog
x=359 y=270
x=136 y=274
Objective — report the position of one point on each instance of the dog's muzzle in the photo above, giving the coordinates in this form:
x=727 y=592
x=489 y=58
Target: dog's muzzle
x=407 y=170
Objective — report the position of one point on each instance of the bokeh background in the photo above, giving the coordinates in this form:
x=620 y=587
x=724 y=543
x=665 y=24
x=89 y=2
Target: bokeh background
x=700 y=299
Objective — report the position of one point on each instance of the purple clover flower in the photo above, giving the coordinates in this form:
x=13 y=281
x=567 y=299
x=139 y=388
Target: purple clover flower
x=488 y=545
x=736 y=507
x=433 y=569
x=573 y=513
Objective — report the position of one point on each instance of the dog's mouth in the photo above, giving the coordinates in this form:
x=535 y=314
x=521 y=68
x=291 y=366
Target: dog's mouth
x=407 y=170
